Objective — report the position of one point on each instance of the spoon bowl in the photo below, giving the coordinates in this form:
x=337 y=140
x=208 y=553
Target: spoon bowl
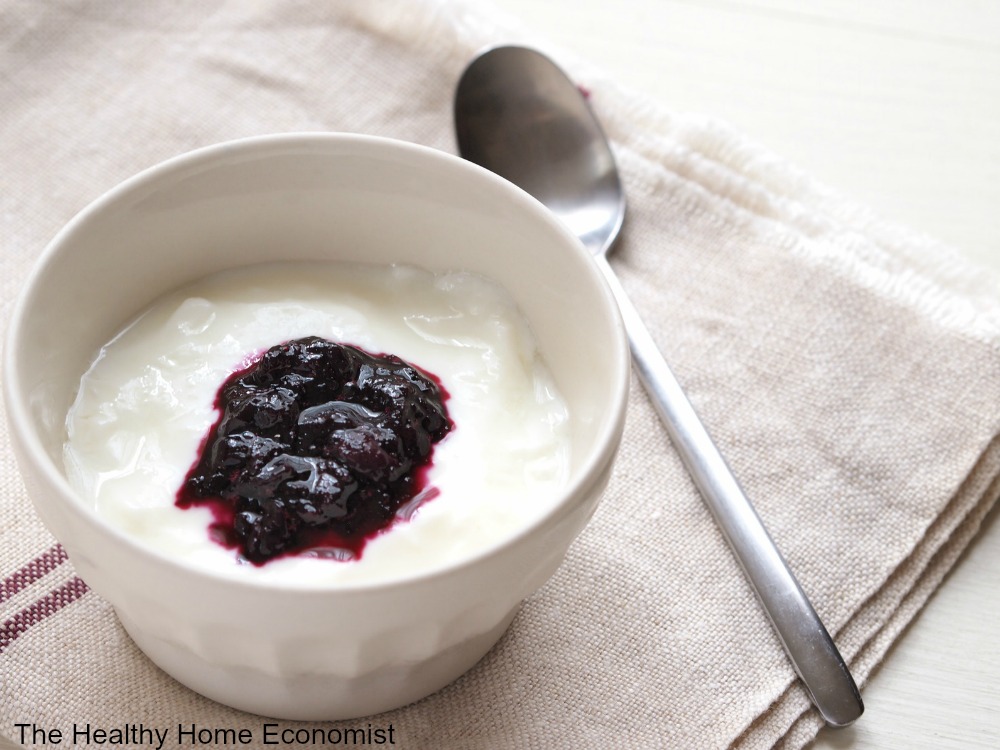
x=519 y=115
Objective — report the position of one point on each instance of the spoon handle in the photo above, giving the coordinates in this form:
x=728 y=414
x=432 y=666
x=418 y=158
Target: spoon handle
x=809 y=645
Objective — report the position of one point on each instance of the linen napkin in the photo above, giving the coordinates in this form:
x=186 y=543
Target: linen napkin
x=848 y=368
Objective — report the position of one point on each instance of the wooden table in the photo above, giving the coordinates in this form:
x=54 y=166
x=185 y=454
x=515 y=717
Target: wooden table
x=896 y=104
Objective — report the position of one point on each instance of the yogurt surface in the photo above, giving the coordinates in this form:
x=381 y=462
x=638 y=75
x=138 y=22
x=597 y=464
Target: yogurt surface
x=147 y=402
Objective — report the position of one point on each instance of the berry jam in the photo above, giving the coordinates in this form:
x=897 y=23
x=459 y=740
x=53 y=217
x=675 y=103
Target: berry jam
x=318 y=447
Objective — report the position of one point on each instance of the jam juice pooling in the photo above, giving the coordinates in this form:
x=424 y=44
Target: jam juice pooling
x=263 y=421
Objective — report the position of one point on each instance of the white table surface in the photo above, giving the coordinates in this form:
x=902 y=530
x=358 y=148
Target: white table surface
x=896 y=104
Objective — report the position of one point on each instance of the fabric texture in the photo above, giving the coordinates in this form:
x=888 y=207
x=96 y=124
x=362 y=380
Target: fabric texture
x=848 y=369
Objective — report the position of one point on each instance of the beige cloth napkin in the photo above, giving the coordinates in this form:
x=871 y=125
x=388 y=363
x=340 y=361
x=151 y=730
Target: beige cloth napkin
x=848 y=368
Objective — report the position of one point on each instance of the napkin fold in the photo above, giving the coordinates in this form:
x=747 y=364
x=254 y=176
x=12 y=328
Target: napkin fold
x=848 y=368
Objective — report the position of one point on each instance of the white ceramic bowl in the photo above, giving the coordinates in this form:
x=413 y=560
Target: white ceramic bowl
x=264 y=648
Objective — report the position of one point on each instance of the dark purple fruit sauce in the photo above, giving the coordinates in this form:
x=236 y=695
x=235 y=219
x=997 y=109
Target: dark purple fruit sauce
x=317 y=449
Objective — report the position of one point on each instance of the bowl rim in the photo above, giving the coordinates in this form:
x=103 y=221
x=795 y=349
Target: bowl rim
x=23 y=430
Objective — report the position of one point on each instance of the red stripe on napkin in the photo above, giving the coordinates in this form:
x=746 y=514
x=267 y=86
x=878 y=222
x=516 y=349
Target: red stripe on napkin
x=44 y=607
x=37 y=568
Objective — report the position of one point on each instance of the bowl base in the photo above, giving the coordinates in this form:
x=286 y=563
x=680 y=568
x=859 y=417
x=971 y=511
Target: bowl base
x=316 y=697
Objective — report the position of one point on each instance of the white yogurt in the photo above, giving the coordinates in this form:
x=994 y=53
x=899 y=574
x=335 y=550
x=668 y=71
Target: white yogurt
x=147 y=402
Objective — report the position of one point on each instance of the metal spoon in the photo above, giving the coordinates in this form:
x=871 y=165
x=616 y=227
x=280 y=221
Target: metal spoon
x=520 y=116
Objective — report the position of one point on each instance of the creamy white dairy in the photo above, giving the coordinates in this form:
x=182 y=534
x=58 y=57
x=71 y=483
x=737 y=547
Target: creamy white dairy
x=146 y=403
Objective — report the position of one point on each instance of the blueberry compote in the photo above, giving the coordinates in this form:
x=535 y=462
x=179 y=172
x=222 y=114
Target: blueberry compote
x=317 y=447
